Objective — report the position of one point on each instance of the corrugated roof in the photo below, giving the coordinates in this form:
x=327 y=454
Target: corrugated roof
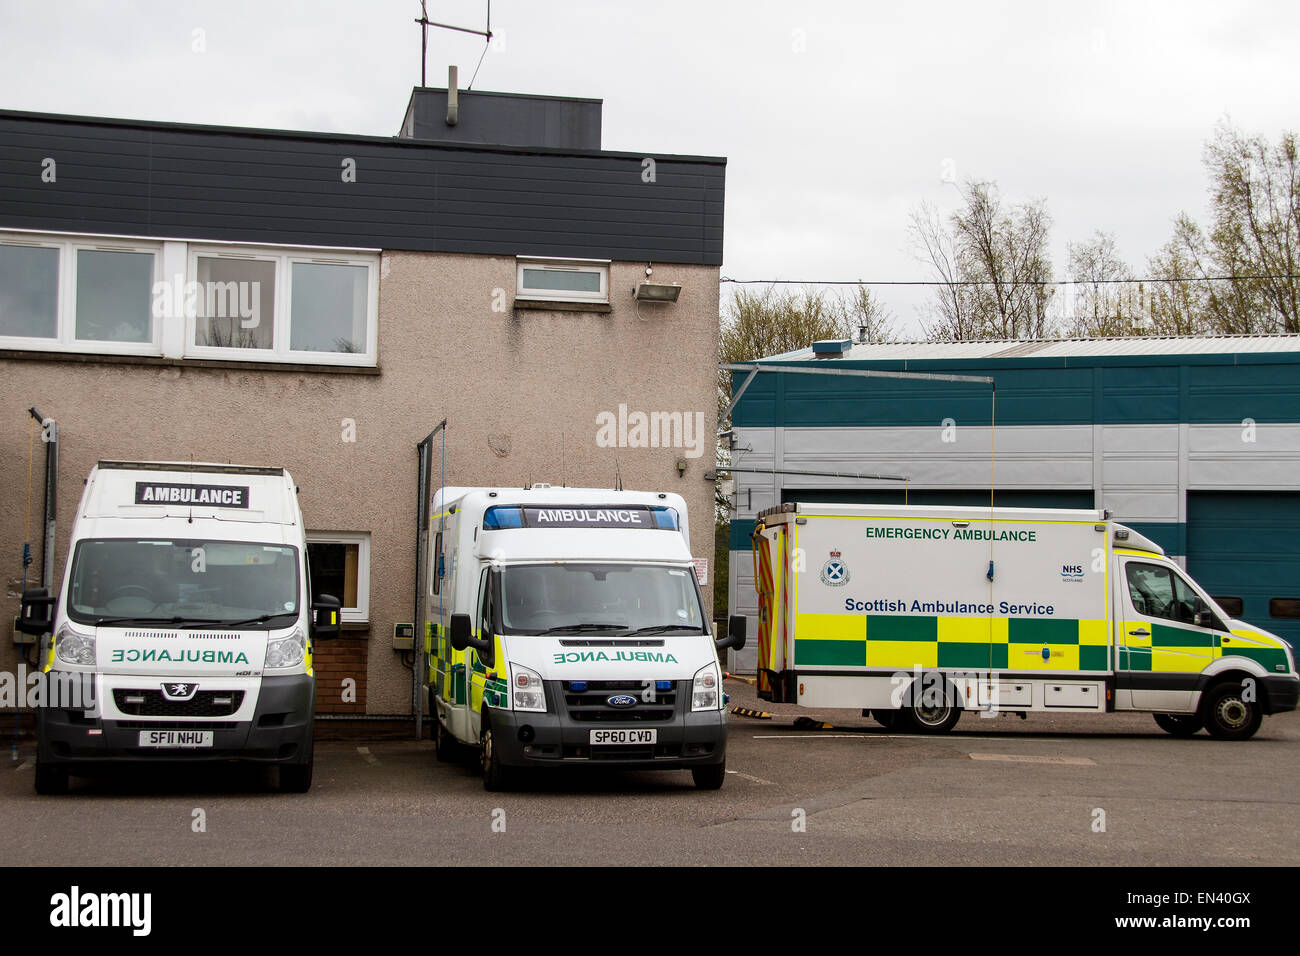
x=1059 y=348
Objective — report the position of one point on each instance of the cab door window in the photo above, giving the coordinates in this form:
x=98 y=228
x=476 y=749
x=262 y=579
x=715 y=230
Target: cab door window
x=1160 y=592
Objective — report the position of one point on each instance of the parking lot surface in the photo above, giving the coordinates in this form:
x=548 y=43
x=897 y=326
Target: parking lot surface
x=1072 y=790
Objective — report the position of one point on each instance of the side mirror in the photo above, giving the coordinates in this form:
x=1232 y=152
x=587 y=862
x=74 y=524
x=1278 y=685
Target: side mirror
x=460 y=638
x=325 y=617
x=35 y=614
x=1204 y=617
x=735 y=638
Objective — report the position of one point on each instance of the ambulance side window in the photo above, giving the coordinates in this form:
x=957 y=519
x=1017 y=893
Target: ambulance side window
x=485 y=605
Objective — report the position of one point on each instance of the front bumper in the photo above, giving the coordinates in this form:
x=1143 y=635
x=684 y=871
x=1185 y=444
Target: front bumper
x=280 y=731
x=1280 y=694
x=556 y=738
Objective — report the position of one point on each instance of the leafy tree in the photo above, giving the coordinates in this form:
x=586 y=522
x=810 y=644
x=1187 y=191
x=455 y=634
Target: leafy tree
x=1253 y=239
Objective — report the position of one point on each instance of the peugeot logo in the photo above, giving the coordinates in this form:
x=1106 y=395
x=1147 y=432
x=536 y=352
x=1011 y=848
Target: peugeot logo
x=176 y=691
x=621 y=700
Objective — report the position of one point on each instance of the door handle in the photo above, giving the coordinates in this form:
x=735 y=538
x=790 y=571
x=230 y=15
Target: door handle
x=1140 y=632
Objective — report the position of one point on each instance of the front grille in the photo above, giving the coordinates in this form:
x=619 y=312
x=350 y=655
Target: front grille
x=592 y=704
x=151 y=703
x=635 y=752
x=174 y=725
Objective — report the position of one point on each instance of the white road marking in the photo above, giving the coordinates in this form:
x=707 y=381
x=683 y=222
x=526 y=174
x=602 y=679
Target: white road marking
x=1033 y=758
x=24 y=765
x=819 y=736
x=749 y=777
x=369 y=757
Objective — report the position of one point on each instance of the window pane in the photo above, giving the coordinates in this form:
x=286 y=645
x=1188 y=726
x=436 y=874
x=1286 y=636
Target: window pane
x=1151 y=590
x=1284 y=607
x=235 y=303
x=329 y=308
x=1232 y=606
x=29 y=291
x=114 y=292
x=562 y=280
x=334 y=570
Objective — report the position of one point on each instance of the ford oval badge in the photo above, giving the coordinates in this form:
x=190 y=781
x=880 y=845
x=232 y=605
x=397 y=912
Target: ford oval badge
x=621 y=700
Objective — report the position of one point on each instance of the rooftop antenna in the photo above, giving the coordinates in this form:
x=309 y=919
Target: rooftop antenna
x=425 y=23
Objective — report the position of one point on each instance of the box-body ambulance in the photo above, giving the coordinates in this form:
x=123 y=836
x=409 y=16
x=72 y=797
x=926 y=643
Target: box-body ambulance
x=917 y=613
x=185 y=613
x=566 y=627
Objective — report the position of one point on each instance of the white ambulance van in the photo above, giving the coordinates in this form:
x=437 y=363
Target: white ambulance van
x=184 y=608
x=566 y=627
x=918 y=613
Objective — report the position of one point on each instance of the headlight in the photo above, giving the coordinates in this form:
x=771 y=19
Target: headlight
x=287 y=651
x=73 y=647
x=706 y=692
x=526 y=690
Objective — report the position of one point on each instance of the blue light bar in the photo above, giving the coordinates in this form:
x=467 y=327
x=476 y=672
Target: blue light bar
x=503 y=516
x=663 y=685
x=577 y=686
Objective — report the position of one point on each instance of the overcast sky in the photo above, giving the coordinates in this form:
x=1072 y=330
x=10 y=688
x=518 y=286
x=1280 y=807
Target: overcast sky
x=836 y=118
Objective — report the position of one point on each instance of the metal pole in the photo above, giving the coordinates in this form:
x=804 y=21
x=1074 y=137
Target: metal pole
x=424 y=450
x=50 y=436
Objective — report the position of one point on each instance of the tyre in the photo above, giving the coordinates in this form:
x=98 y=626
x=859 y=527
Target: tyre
x=1180 y=725
x=50 y=780
x=446 y=748
x=1227 y=715
x=929 y=719
x=885 y=718
x=496 y=775
x=296 y=777
x=709 y=777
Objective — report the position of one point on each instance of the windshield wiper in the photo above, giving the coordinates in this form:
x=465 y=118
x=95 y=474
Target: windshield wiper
x=173 y=621
x=583 y=627
x=660 y=628
x=260 y=619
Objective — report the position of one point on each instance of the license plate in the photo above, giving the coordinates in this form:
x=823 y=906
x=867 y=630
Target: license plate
x=175 y=738
x=624 y=737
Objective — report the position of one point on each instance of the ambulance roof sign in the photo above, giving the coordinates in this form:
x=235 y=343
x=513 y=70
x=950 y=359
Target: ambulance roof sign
x=627 y=517
x=168 y=493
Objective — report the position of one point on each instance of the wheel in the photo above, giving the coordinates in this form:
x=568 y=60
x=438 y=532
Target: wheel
x=885 y=718
x=50 y=781
x=929 y=718
x=446 y=748
x=496 y=776
x=709 y=777
x=296 y=777
x=1180 y=725
x=1227 y=715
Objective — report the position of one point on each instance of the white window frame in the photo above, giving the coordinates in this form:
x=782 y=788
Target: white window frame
x=598 y=266
x=65 y=339
x=284 y=259
x=361 y=613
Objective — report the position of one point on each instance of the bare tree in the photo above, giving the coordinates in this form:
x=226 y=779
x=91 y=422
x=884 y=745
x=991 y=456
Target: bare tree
x=992 y=263
x=1103 y=299
x=868 y=319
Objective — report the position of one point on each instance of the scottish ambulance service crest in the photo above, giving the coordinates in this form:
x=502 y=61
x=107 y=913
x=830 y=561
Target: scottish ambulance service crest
x=835 y=573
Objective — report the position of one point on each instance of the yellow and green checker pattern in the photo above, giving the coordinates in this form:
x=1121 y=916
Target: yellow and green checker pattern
x=908 y=641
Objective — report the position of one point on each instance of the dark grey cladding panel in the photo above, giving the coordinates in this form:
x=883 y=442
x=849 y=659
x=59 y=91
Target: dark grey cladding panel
x=505 y=119
x=187 y=182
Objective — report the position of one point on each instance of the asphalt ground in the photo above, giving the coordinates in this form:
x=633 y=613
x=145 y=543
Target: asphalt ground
x=1110 y=790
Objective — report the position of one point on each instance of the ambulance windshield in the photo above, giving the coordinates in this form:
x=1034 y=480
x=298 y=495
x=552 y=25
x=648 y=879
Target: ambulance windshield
x=619 y=600
x=183 y=582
